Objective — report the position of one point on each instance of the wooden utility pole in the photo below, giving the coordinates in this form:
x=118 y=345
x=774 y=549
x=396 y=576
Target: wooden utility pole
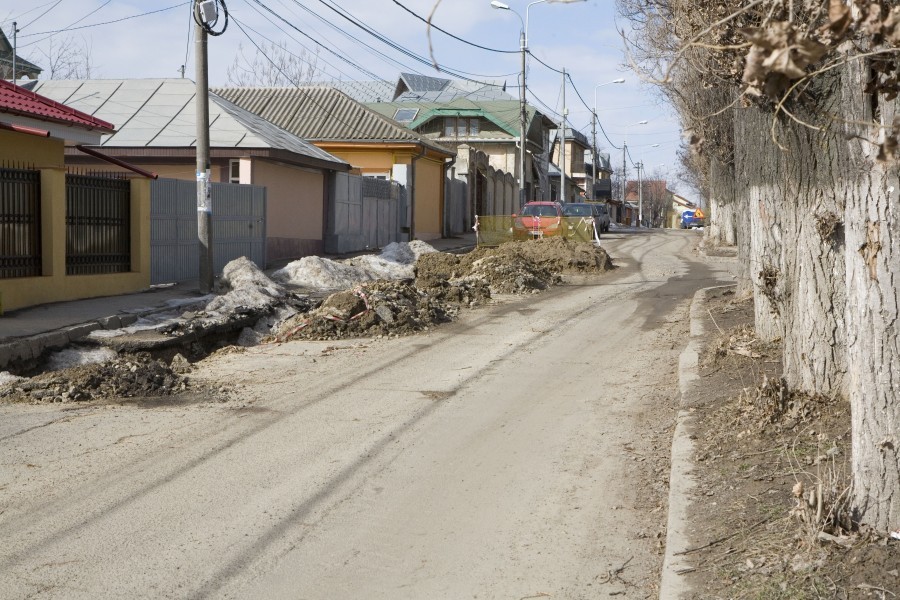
x=204 y=201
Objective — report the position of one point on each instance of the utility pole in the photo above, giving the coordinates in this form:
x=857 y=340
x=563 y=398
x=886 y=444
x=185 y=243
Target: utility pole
x=523 y=118
x=624 y=173
x=562 y=146
x=204 y=203
x=593 y=155
x=15 y=43
x=640 y=167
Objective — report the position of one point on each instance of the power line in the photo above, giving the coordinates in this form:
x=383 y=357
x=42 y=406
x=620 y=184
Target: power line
x=343 y=13
x=445 y=32
x=58 y=2
x=152 y=12
x=313 y=40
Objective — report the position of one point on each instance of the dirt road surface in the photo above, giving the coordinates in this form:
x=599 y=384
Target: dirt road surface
x=518 y=453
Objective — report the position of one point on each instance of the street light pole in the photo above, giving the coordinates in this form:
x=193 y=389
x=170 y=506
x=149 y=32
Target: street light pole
x=523 y=117
x=594 y=132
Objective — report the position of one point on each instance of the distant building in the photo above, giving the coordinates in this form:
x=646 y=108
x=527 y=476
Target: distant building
x=23 y=67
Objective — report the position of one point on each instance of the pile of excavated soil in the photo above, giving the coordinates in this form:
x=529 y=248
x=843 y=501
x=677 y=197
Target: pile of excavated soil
x=126 y=376
x=514 y=267
x=378 y=308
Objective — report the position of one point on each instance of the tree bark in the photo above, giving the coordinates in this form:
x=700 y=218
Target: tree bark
x=873 y=300
x=757 y=172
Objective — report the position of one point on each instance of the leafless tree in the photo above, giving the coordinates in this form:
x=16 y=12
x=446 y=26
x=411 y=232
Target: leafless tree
x=67 y=58
x=795 y=134
x=272 y=65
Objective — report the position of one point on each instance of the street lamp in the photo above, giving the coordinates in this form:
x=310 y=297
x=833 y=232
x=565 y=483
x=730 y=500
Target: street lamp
x=641 y=184
x=523 y=116
x=594 y=141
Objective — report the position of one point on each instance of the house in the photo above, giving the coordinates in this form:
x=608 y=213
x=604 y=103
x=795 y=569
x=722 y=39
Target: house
x=64 y=236
x=157 y=132
x=7 y=58
x=373 y=144
x=480 y=117
x=575 y=167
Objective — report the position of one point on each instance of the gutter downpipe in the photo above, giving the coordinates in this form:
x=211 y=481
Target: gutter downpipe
x=445 y=226
x=117 y=162
x=412 y=193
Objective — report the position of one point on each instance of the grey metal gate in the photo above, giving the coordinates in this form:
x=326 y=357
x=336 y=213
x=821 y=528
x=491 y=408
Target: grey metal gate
x=238 y=228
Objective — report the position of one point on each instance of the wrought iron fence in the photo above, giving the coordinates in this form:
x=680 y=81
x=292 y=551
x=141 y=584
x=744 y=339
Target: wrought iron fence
x=20 y=223
x=98 y=225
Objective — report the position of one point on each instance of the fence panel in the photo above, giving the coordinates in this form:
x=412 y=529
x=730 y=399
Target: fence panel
x=363 y=213
x=20 y=223
x=98 y=225
x=238 y=228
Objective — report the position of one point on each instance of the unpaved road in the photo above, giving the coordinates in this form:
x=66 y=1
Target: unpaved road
x=518 y=453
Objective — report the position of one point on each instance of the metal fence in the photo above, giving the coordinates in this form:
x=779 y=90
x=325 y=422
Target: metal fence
x=20 y=223
x=364 y=213
x=98 y=225
x=238 y=228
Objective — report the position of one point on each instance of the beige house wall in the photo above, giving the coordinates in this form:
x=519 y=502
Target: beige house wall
x=54 y=285
x=295 y=209
x=30 y=151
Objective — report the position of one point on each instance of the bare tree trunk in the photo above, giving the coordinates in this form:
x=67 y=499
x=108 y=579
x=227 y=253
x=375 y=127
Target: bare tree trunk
x=720 y=220
x=813 y=250
x=757 y=171
x=872 y=229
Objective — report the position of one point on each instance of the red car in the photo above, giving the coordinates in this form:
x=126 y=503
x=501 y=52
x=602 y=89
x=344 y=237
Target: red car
x=537 y=220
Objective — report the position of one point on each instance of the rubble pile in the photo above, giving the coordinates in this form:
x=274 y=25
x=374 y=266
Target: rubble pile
x=126 y=376
x=378 y=308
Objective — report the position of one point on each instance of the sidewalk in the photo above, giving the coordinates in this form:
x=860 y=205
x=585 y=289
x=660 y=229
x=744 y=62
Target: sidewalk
x=27 y=332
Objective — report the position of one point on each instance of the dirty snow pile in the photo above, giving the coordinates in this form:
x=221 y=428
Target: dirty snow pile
x=244 y=287
x=396 y=262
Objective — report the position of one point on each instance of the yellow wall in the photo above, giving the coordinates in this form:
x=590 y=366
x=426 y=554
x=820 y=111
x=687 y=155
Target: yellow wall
x=295 y=200
x=54 y=285
x=31 y=150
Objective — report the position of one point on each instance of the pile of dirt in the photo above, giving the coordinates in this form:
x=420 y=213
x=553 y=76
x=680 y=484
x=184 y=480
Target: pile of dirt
x=374 y=309
x=514 y=267
x=126 y=376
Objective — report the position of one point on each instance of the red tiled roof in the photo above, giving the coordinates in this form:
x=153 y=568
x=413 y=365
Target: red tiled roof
x=18 y=101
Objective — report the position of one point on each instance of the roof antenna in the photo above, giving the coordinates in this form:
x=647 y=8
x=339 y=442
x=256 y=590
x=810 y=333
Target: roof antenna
x=504 y=85
x=182 y=71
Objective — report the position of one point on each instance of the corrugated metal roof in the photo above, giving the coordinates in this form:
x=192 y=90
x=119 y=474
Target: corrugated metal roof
x=322 y=114
x=505 y=113
x=18 y=101
x=386 y=91
x=161 y=113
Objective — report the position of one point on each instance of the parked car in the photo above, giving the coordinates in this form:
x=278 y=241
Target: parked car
x=603 y=212
x=692 y=218
x=538 y=219
x=581 y=220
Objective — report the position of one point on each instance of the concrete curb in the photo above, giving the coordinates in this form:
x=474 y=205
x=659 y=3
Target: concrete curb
x=26 y=349
x=681 y=478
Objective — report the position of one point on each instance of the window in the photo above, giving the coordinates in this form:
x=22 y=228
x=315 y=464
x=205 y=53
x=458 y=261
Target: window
x=405 y=115
x=234 y=171
x=461 y=126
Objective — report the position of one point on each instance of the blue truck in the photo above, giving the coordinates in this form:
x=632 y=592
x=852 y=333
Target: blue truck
x=692 y=218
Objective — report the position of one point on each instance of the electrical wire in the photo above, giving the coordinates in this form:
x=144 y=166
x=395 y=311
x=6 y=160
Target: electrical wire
x=152 y=12
x=455 y=37
x=58 y=2
x=27 y=12
x=209 y=27
x=343 y=13
x=315 y=41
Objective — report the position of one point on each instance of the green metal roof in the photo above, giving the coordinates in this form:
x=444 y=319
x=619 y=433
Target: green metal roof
x=503 y=113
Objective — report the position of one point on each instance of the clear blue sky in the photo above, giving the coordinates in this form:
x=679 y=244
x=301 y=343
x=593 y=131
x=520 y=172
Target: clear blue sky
x=582 y=37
